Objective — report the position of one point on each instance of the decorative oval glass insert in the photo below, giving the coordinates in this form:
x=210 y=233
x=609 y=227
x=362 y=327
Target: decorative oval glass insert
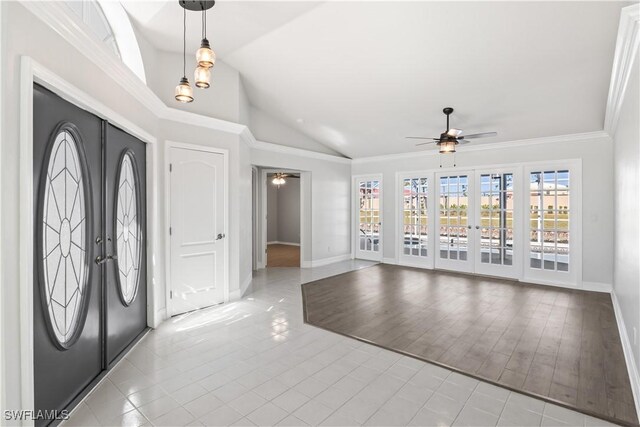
x=64 y=230
x=128 y=233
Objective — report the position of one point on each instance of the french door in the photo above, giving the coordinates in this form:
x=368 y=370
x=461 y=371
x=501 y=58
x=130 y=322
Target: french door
x=497 y=223
x=89 y=248
x=478 y=222
x=455 y=196
x=369 y=217
x=416 y=222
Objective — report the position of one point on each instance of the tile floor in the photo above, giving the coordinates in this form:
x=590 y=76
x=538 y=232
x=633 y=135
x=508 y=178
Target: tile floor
x=254 y=362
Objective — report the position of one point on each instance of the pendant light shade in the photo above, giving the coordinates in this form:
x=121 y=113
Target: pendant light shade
x=205 y=56
x=447 y=147
x=202 y=77
x=184 y=92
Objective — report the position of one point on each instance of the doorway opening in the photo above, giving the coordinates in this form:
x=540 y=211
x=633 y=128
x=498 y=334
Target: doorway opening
x=283 y=219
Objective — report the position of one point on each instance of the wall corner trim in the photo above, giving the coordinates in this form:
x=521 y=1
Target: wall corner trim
x=632 y=368
x=627 y=44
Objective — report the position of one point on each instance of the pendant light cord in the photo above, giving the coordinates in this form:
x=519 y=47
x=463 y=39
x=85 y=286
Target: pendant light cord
x=204 y=24
x=184 y=42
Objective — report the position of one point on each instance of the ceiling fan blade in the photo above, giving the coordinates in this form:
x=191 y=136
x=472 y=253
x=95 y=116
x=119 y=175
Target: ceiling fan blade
x=453 y=132
x=424 y=143
x=421 y=137
x=480 y=135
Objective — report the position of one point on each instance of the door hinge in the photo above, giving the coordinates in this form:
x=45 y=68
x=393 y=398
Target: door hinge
x=170 y=294
x=170 y=231
x=170 y=167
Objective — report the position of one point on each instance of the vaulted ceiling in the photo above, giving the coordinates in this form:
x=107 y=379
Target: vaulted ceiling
x=360 y=76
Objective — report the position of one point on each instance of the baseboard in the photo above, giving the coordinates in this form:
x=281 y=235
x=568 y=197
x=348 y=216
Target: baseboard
x=160 y=316
x=245 y=286
x=389 y=261
x=278 y=242
x=326 y=261
x=597 y=287
x=632 y=368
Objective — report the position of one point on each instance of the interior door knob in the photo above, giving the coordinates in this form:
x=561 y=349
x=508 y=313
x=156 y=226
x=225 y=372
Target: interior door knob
x=220 y=236
x=477 y=227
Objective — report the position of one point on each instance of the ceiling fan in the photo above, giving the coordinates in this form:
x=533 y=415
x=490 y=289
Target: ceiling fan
x=451 y=137
x=279 y=178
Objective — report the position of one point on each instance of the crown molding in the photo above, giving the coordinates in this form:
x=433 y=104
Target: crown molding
x=574 y=137
x=627 y=45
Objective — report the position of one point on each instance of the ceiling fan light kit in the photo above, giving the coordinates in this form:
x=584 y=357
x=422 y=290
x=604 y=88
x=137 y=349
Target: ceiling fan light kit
x=205 y=56
x=451 y=137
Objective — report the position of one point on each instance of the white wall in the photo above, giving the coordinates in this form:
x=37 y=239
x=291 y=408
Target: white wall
x=626 y=268
x=221 y=100
x=269 y=129
x=330 y=200
x=597 y=182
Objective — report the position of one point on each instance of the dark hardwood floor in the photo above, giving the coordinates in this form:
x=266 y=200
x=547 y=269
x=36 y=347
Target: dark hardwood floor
x=559 y=344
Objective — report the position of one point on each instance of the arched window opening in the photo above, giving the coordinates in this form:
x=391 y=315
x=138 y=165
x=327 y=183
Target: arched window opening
x=109 y=22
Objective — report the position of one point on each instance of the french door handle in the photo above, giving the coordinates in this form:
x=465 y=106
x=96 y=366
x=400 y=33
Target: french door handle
x=101 y=260
x=469 y=227
x=220 y=236
x=477 y=227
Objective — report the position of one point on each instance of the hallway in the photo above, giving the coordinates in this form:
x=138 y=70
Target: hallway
x=254 y=362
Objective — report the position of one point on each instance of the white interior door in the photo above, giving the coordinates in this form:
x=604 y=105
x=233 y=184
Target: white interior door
x=197 y=229
x=454 y=248
x=497 y=224
x=368 y=191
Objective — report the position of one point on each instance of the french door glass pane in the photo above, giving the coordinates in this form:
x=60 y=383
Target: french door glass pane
x=453 y=217
x=496 y=218
x=369 y=215
x=415 y=219
x=549 y=220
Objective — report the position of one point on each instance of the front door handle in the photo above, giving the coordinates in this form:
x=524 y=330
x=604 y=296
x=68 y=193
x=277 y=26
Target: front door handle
x=101 y=260
x=220 y=236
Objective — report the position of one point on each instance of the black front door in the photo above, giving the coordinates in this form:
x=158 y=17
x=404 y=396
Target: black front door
x=126 y=292
x=67 y=164
x=90 y=296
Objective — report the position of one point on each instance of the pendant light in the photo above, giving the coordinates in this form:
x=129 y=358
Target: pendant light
x=206 y=58
x=184 y=91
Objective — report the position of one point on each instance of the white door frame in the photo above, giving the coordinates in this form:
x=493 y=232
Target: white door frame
x=305 y=214
x=167 y=214
x=355 y=218
x=32 y=72
x=409 y=260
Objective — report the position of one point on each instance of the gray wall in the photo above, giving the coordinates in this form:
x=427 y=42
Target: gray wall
x=283 y=212
x=272 y=212
x=626 y=268
x=289 y=211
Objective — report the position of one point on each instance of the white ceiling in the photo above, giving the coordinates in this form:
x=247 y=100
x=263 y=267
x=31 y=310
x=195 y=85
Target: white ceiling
x=360 y=76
